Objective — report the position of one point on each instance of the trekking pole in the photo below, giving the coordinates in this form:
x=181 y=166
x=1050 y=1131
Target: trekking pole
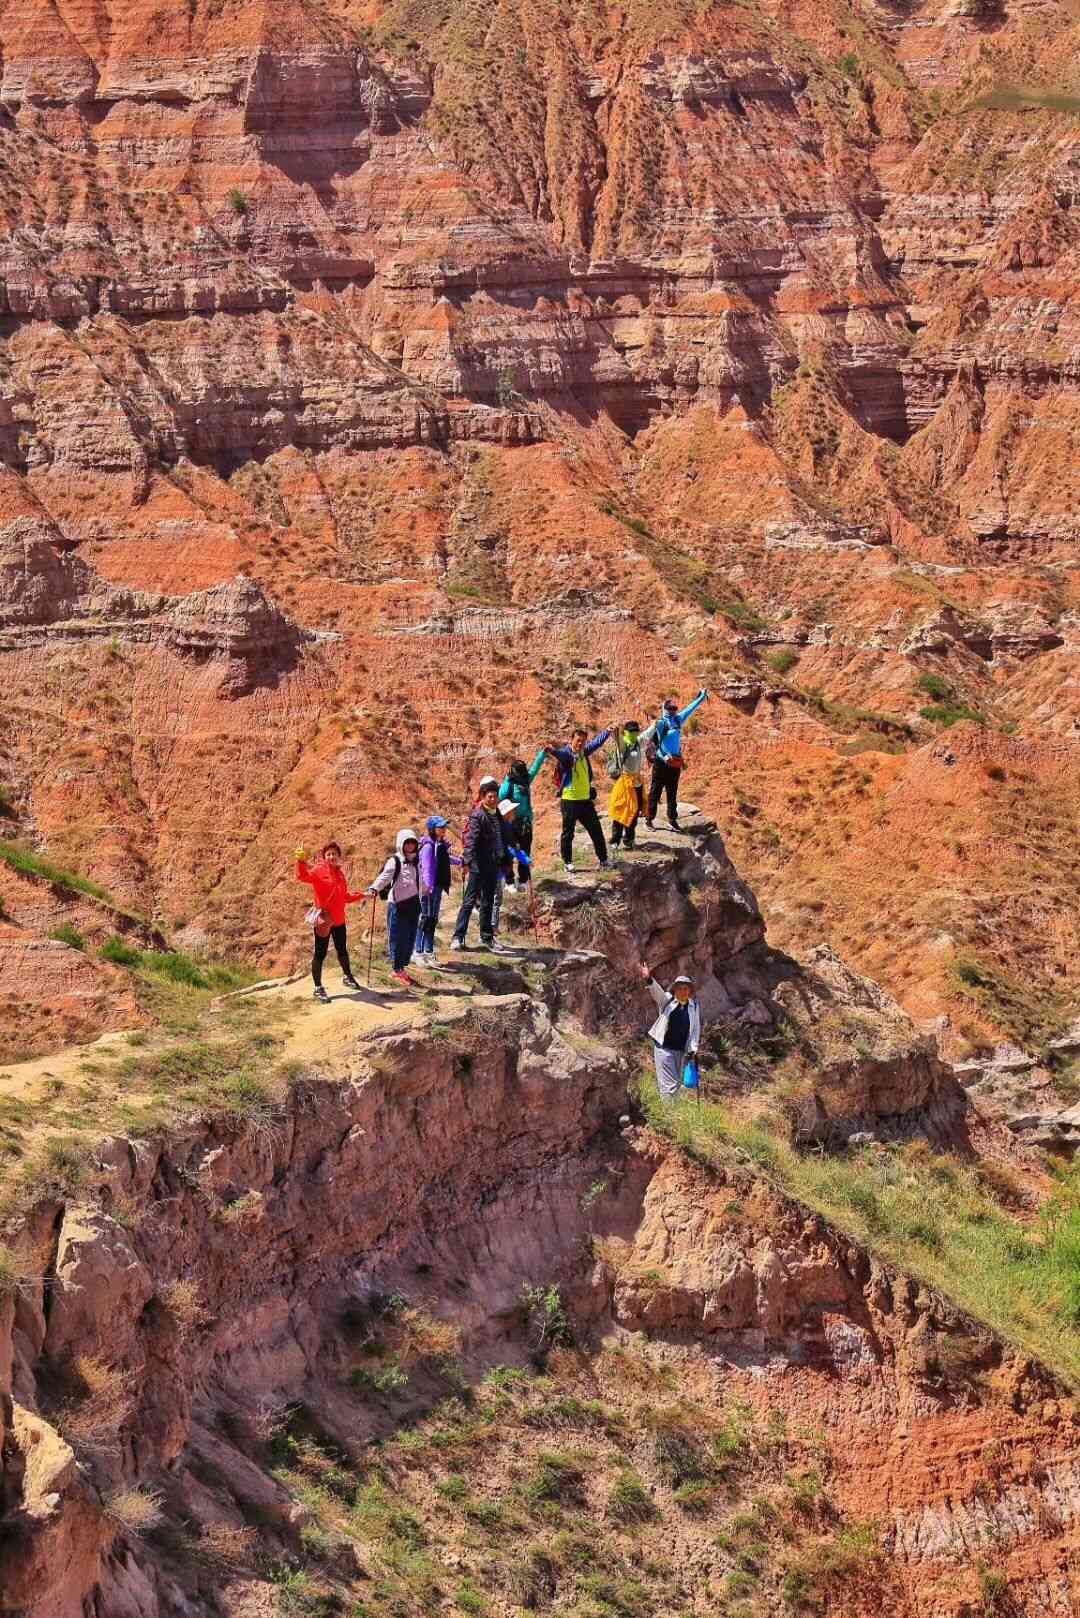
x=532 y=909
x=371 y=940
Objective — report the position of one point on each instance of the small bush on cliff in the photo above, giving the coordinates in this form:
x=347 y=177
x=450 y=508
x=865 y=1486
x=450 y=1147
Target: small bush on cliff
x=629 y=1499
x=69 y=935
x=546 y=1317
x=935 y=687
x=782 y=662
x=947 y=714
x=238 y=202
x=135 y=1509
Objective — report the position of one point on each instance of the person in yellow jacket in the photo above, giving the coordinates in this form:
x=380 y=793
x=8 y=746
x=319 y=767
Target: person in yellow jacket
x=626 y=766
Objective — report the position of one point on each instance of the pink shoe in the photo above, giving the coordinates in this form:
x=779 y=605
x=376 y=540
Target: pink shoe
x=402 y=977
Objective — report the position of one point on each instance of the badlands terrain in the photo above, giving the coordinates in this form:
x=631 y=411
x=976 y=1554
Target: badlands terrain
x=382 y=389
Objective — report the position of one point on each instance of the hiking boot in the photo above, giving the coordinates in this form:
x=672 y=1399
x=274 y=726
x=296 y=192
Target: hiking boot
x=651 y=825
x=349 y=981
x=605 y=865
x=496 y=948
x=321 y=996
x=674 y=824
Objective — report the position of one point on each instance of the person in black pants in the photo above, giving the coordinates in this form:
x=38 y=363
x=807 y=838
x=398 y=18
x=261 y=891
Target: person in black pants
x=483 y=854
x=331 y=888
x=577 y=795
x=664 y=782
x=668 y=761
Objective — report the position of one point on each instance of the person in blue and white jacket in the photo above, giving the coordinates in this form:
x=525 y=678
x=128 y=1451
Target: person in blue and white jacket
x=676 y=1033
x=668 y=760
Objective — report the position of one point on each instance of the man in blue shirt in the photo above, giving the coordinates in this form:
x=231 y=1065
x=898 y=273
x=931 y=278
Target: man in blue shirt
x=668 y=760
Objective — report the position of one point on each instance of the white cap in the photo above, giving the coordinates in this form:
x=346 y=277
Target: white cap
x=487 y=781
x=682 y=978
x=507 y=806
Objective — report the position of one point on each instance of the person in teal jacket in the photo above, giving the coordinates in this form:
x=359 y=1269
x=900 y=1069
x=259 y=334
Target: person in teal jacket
x=668 y=760
x=517 y=786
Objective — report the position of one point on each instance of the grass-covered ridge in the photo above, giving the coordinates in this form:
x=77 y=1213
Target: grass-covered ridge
x=27 y=863
x=960 y=1225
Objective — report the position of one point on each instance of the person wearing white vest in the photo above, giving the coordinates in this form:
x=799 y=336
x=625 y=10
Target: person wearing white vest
x=676 y=1033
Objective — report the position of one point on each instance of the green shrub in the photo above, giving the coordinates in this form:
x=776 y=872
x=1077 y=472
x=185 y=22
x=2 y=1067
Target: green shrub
x=69 y=935
x=531 y=1581
x=629 y=1499
x=694 y=1497
x=741 y=615
x=993 y=1589
x=947 y=714
x=238 y=202
x=782 y=662
x=120 y=954
x=935 y=687
x=555 y=1478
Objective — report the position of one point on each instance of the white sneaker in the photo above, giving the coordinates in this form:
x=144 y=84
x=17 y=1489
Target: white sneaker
x=512 y=887
x=496 y=948
x=456 y=943
x=568 y=868
x=432 y=959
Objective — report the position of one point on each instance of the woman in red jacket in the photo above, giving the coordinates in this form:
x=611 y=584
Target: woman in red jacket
x=331 y=895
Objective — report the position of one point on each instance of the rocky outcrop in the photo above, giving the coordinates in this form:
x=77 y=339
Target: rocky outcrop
x=866 y=1067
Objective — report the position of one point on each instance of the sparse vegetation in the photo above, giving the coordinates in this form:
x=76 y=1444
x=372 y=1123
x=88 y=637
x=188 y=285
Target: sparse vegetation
x=69 y=935
x=238 y=202
x=629 y=1500
x=27 y=863
x=549 y=1326
x=947 y=714
x=927 y=1212
x=136 y=1510
x=783 y=661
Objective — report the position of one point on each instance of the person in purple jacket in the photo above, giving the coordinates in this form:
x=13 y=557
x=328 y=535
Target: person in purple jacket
x=436 y=862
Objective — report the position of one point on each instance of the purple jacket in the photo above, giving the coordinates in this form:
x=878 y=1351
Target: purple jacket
x=429 y=862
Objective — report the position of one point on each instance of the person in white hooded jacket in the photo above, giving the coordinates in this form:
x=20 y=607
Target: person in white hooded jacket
x=676 y=1033
x=399 y=880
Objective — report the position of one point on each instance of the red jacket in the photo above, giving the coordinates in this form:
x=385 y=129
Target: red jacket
x=331 y=889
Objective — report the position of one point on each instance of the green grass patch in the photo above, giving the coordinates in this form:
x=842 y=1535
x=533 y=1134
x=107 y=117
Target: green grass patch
x=176 y=967
x=29 y=864
x=947 y=714
x=69 y=935
x=933 y=686
x=783 y=661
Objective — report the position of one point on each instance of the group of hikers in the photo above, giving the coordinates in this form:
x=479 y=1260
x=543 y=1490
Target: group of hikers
x=496 y=854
